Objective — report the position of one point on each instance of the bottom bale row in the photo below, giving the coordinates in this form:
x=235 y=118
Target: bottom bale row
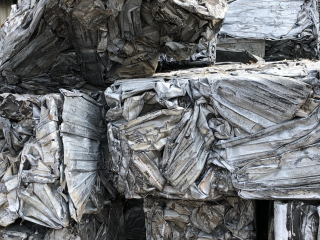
x=232 y=218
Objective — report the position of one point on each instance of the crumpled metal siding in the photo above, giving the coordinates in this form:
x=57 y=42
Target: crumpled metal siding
x=296 y=220
x=287 y=155
x=203 y=134
x=40 y=194
x=171 y=136
x=16 y=129
x=48 y=45
x=36 y=162
x=291 y=28
x=204 y=53
x=233 y=218
x=81 y=133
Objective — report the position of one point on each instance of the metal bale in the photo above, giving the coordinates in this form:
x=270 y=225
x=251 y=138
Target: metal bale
x=184 y=134
x=290 y=28
x=297 y=220
x=232 y=218
x=45 y=145
x=53 y=44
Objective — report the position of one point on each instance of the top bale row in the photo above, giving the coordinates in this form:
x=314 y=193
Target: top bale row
x=49 y=44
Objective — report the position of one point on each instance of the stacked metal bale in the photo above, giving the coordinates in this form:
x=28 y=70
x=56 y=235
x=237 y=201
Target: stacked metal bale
x=290 y=29
x=203 y=135
x=199 y=146
x=174 y=155
x=65 y=44
x=52 y=162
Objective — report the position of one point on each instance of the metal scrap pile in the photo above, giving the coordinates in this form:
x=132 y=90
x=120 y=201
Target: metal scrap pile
x=181 y=135
x=211 y=133
x=190 y=150
x=189 y=142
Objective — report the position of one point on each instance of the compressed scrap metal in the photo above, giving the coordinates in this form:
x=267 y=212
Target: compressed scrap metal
x=296 y=220
x=107 y=224
x=279 y=161
x=136 y=145
x=52 y=162
x=168 y=135
x=81 y=129
x=16 y=118
x=50 y=44
x=230 y=219
x=40 y=195
x=204 y=53
x=35 y=55
x=290 y=28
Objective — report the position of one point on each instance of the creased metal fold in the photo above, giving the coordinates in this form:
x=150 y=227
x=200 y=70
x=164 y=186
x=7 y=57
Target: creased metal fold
x=232 y=218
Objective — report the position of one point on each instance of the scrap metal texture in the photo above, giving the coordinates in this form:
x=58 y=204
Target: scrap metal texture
x=81 y=133
x=290 y=27
x=94 y=145
x=296 y=220
x=50 y=44
x=202 y=134
x=52 y=164
x=232 y=218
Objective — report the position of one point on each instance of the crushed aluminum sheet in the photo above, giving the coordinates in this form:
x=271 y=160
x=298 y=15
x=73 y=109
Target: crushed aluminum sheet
x=166 y=133
x=81 y=129
x=290 y=28
x=296 y=220
x=232 y=218
x=36 y=166
x=279 y=162
x=50 y=44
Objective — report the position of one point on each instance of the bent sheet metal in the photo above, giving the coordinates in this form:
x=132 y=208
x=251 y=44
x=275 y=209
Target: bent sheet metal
x=49 y=44
x=171 y=135
x=232 y=218
x=290 y=28
x=49 y=151
x=295 y=220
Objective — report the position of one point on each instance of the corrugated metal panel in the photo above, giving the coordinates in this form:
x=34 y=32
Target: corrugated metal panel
x=5 y=8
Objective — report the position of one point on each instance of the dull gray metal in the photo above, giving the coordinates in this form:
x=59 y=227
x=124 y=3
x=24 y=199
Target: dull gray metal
x=254 y=46
x=54 y=44
x=296 y=220
x=233 y=218
x=52 y=164
x=81 y=130
x=168 y=134
x=107 y=224
x=290 y=28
